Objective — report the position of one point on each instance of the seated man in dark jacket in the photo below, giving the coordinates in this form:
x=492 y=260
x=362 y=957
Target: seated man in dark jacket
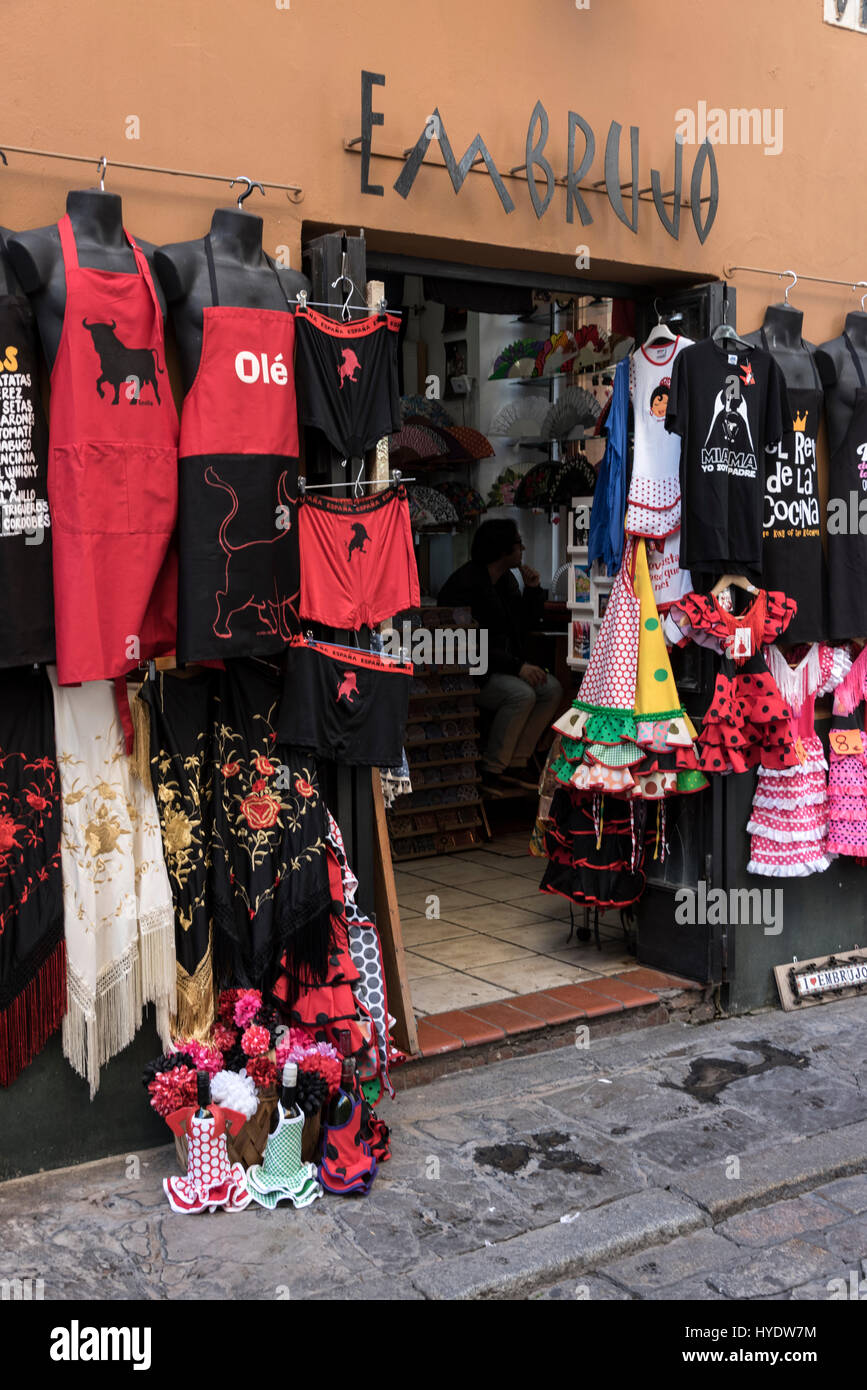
x=523 y=697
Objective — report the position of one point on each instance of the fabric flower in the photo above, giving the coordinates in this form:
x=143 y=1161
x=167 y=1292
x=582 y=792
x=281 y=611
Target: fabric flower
x=292 y=1038
x=225 y=1036
x=204 y=1058
x=167 y=1062
x=265 y=766
x=236 y=1091
x=313 y=1091
x=256 y=1040
x=303 y=787
x=226 y=1005
x=263 y=1071
x=247 y=1005
x=229 y=769
x=329 y=1068
x=172 y=1090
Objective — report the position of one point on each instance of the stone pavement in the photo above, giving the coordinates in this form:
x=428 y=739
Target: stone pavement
x=722 y=1161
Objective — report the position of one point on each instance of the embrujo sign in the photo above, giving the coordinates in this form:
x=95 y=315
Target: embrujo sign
x=540 y=171
x=847 y=14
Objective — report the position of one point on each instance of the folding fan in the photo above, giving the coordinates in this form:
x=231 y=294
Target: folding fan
x=520 y=419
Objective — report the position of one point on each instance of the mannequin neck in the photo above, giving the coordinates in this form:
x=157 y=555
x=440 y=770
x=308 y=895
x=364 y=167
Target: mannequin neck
x=783 y=326
x=237 y=234
x=856 y=330
x=96 y=217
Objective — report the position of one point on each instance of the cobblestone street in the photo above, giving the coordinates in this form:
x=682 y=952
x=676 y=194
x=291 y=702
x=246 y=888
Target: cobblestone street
x=713 y=1162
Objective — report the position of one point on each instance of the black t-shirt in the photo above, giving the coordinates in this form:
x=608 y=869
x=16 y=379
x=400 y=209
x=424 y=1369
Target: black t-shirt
x=728 y=405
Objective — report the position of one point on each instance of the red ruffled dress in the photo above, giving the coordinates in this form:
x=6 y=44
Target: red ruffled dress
x=748 y=722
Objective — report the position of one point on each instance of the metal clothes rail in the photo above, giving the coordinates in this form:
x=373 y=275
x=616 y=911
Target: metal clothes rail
x=293 y=191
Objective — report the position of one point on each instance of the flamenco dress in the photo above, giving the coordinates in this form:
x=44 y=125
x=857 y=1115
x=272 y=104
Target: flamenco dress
x=748 y=722
x=789 y=822
x=847 y=779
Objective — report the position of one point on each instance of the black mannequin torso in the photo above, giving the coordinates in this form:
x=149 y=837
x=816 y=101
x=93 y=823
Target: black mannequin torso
x=37 y=258
x=780 y=335
x=8 y=279
x=840 y=397
x=244 y=279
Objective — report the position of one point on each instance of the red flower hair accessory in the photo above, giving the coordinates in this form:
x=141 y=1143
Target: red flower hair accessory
x=256 y=1040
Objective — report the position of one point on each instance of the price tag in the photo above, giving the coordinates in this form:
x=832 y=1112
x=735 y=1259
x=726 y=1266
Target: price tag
x=743 y=643
x=733 y=359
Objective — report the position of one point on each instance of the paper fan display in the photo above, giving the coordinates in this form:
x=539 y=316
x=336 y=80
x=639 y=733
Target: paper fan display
x=429 y=509
x=502 y=493
x=420 y=405
x=453 y=450
x=423 y=440
x=473 y=441
x=534 y=488
x=575 y=477
x=520 y=419
x=518 y=359
x=468 y=503
x=576 y=407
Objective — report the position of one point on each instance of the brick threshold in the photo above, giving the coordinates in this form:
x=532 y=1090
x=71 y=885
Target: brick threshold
x=529 y=1023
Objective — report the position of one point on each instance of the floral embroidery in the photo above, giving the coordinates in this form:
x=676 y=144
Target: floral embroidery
x=26 y=814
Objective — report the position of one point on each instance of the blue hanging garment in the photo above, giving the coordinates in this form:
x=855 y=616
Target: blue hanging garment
x=605 y=540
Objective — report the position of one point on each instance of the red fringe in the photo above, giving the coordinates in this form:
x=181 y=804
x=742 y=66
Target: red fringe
x=31 y=1018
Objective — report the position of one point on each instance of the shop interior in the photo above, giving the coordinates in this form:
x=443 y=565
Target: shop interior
x=525 y=375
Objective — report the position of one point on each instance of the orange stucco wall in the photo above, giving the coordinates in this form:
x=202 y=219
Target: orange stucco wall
x=274 y=92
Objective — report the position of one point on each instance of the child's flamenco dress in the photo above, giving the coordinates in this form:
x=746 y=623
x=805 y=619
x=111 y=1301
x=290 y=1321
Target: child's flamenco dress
x=789 y=822
x=847 y=780
x=748 y=722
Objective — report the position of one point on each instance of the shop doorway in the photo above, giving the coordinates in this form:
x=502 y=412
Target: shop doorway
x=476 y=931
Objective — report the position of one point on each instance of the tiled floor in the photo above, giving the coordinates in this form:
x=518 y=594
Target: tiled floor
x=477 y=930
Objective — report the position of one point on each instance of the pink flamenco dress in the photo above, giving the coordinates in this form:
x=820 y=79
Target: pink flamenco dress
x=847 y=780
x=789 y=822
x=748 y=721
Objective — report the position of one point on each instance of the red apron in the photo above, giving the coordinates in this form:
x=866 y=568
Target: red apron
x=112 y=473
x=238 y=475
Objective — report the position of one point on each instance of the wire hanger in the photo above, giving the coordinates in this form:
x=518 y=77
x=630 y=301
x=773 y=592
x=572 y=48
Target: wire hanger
x=251 y=184
x=357 y=483
x=859 y=284
x=661 y=333
x=724 y=332
x=100 y=174
x=740 y=581
x=794 y=282
x=346 y=308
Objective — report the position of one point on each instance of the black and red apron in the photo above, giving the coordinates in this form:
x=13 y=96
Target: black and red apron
x=27 y=604
x=793 y=559
x=847 y=546
x=238 y=538
x=112 y=473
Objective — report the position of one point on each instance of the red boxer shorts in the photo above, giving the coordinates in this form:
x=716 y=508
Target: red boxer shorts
x=357 y=560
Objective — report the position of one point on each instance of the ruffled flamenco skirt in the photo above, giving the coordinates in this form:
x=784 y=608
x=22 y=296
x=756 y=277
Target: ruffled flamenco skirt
x=789 y=821
x=748 y=724
x=847 y=796
x=593 y=861
x=627 y=734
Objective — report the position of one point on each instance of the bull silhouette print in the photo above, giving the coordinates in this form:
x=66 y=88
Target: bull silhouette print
x=348 y=688
x=348 y=367
x=119 y=363
x=275 y=610
x=359 y=539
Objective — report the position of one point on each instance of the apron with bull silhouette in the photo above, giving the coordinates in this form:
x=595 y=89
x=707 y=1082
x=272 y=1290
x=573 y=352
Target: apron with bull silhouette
x=238 y=475
x=112 y=473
